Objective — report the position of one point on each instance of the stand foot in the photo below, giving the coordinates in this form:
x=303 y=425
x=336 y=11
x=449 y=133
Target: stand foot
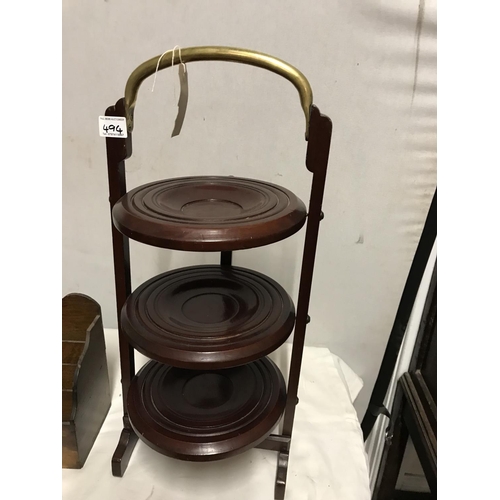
x=279 y=489
x=123 y=452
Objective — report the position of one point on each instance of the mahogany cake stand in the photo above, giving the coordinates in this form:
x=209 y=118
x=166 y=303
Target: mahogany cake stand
x=209 y=391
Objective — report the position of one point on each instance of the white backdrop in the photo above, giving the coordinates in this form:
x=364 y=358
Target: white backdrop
x=372 y=67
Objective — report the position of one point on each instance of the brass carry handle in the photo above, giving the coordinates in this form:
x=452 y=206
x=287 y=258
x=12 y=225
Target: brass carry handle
x=231 y=54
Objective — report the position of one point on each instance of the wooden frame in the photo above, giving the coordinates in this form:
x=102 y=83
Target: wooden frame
x=118 y=150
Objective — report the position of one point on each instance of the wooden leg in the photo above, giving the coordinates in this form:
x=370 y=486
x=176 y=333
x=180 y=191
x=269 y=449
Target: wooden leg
x=117 y=151
x=123 y=452
x=394 y=450
x=280 y=486
x=281 y=444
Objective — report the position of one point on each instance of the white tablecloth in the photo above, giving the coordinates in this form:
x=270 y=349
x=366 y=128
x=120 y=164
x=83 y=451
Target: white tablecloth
x=327 y=458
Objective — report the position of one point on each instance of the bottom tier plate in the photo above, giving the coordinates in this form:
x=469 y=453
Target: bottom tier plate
x=206 y=415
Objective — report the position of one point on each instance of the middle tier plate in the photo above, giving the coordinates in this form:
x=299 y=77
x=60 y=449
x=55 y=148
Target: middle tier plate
x=208 y=317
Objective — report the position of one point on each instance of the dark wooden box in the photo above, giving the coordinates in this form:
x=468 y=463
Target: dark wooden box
x=85 y=384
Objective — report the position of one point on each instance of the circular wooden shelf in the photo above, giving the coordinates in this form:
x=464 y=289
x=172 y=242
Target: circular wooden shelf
x=209 y=213
x=206 y=415
x=208 y=317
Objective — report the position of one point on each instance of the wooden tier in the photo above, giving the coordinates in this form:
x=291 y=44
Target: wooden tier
x=206 y=415
x=209 y=213
x=208 y=317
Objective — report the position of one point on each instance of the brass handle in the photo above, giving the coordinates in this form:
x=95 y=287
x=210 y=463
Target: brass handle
x=191 y=54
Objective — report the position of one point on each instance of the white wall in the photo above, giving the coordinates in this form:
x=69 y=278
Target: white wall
x=371 y=64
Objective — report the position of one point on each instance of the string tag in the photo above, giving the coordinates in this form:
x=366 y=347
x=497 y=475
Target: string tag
x=183 y=97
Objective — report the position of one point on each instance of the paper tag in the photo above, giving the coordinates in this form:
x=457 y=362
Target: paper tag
x=113 y=126
x=183 y=100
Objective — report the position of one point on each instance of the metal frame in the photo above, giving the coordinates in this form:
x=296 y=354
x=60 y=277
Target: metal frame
x=230 y=54
x=414 y=413
x=319 y=128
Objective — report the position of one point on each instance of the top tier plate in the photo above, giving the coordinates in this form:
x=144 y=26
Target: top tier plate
x=209 y=213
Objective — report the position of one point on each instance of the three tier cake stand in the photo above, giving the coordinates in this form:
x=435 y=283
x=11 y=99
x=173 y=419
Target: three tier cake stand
x=209 y=391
